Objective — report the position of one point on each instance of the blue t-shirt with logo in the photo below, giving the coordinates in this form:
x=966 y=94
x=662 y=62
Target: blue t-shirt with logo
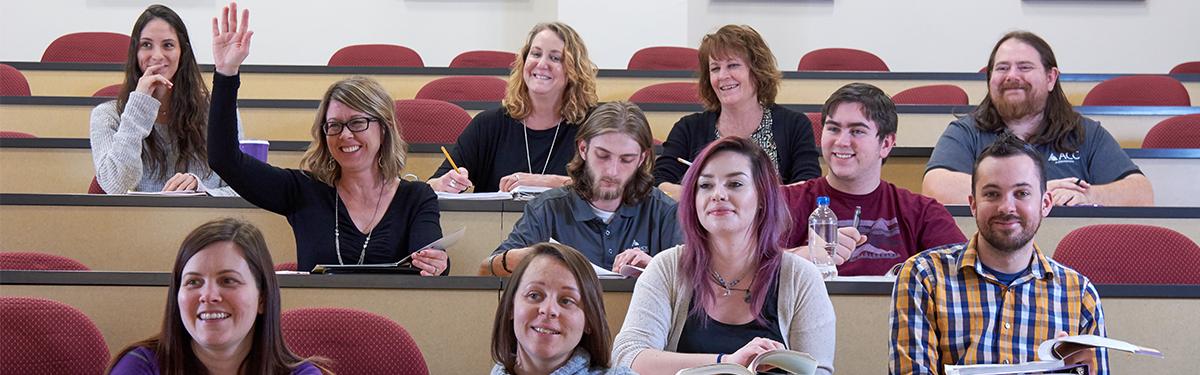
x=1099 y=160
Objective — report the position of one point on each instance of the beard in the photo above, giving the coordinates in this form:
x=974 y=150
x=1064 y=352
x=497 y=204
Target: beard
x=600 y=193
x=1009 y=242
x=1033 y=102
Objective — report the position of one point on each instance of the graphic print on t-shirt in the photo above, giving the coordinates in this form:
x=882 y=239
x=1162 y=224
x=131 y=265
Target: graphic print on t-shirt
x=882 y=235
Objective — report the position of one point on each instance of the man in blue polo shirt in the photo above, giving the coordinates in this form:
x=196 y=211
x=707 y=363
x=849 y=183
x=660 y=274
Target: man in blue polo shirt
x=610 y=212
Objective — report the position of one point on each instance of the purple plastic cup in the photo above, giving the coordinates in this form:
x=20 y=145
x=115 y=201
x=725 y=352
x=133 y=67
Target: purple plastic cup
x=256 y=148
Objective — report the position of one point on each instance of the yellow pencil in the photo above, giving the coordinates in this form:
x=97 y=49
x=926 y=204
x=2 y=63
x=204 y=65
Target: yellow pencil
x=447 y=153
x=685 y=162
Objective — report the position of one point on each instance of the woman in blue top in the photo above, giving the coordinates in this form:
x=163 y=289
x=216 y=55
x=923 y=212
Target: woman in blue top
x=224 y=317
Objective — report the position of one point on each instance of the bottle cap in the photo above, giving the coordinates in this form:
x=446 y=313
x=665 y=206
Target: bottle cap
x=822 y=201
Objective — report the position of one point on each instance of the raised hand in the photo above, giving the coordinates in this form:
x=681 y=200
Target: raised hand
x=231 y=42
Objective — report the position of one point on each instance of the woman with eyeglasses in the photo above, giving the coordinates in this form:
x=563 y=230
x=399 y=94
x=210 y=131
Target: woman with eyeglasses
x=347 y=204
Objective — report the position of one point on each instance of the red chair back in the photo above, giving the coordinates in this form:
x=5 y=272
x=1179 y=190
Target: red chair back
x=430 y=121
x=88 y=47
x=932 y=95
x=95 y=188
x=1139 y=91
x=665 y=58
x=817 y=127
x=1175 y=132
x=355 y=341
x=285 y=266
x=42 y=336
x=841 y=59
x=376 y=55
x=1104 y=253
x=12 y=82
x=464 y=89
x=110 y=91
x=484 y=59
x=15 y=134
x=669 y=92
x=1190 y=67
x=31 y=261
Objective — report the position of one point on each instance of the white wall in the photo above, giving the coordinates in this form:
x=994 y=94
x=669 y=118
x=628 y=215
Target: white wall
x=911 y=35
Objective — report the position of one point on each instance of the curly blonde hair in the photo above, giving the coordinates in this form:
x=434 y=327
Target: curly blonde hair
x=580 y=94
x=365 y=95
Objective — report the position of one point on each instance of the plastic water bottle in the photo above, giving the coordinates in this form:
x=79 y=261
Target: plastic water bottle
x=822 y=236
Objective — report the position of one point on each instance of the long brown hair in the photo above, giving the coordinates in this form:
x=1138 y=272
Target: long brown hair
x=268 y=353
x=596 y=339
x=742 y=41
x=365 y=95
x=580 y=94
x=615 y=117
x=189 y=99
x=1063 y=127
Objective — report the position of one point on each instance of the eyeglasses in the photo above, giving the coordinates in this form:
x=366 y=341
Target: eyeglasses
x=357 y=125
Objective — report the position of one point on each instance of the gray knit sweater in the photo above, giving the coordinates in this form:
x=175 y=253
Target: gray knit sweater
x=659 y=307
x=117 y=149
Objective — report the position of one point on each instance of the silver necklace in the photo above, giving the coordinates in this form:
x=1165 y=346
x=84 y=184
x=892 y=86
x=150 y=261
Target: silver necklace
x=337 y=234
x=528 y=160
x=729 y=285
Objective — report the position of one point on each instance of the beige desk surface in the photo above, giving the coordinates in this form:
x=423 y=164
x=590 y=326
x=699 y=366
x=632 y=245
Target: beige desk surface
x=122 y=233
x=309 y=82
x=282 y=122
x=452 y=325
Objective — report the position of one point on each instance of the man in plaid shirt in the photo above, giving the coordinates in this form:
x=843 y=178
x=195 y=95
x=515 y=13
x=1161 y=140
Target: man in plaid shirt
x=995 y=298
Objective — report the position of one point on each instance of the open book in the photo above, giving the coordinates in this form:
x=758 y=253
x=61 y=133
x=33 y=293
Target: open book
x=1051 y=353
x=792 y=362
x=404 y=266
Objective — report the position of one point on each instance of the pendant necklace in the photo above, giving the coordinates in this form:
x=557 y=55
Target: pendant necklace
x=528 y=160
x=729 y=285
x=337 y=234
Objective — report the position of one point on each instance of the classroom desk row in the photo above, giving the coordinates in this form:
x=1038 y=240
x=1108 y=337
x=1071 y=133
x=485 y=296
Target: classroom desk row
x=70 y=160
x=450 y=318
x=291 y=120
x=309 y=82
x=139 y=233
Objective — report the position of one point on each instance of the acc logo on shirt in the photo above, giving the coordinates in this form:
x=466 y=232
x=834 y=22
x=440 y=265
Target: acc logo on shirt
x=1063 y=157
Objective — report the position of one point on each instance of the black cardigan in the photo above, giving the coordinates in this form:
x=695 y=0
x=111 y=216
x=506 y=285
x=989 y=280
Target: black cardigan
x=411 y=221
x=493 y=146
x=798 y=156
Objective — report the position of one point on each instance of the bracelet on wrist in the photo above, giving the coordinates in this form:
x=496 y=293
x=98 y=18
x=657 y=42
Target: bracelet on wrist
x=504 y=261
x=719 y=355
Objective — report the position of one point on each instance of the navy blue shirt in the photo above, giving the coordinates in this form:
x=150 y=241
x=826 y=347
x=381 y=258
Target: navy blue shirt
x=650 y=225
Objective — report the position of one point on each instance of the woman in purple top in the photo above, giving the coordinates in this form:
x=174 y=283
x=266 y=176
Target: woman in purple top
x=224 y=318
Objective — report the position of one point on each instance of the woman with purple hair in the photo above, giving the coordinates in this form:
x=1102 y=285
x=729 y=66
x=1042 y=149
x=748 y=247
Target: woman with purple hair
x=730 y=292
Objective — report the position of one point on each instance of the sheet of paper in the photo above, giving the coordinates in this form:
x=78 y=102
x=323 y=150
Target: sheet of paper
x=180 y=193
x=496 y=196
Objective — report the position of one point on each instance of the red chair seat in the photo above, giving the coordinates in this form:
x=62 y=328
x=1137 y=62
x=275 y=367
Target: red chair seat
x=356 y=341
x=670 y=92
x=464 y=88
x=484 y=59
x=430 y=121
x=42 y=336
x=12 y=82
x=932 y=95
x=665 y=58
x=88 y=47
x=1139 y=91
x=1105 y=254
x=32 y=261
x=376 y=55
x=841 y=59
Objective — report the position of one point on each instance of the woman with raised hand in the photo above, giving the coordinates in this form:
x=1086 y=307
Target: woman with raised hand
x=551 y=317
x=730 y=292
x=529 y=140
x=152 y=137
x=222 y=313
x=739 y=80
x=347 y=204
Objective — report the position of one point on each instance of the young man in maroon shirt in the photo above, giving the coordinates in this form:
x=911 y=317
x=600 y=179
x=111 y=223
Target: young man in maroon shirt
x=857 y=134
